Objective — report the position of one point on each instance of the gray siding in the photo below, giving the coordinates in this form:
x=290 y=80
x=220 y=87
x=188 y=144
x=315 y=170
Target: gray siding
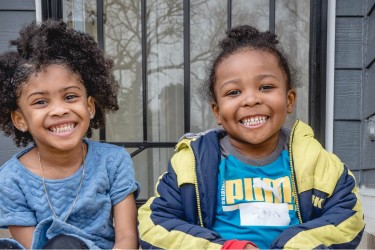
x=349 y=43
x=348 y=94
x=368 y=95
x=13 y=15
x=17 y=5
x=350 y=7
x=355 y=85
x=348 y=81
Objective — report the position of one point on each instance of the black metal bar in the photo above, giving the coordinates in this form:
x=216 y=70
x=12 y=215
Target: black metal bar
x=145 y=144
x=229 y=14
x=272 y=19
x=100 y=31
x=144 y=66
x=150 y=171
x=317 y=68
x=186 y=65
x=100 y=22
x=140 y=149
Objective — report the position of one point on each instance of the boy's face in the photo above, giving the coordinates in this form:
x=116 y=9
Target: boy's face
x=54 y=108
x=252 y=101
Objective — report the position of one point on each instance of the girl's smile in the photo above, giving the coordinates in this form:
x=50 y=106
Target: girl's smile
x=64 y=128
x=54 y=108
x=252 y=100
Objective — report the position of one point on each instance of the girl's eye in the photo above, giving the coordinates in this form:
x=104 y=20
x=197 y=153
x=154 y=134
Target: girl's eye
x=266 y=87
x=71 y=97
x=233 y=92
x=39 y=102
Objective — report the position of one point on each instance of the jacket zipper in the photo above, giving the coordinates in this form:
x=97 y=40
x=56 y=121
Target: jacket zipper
x=197 y=189
x=292 y=173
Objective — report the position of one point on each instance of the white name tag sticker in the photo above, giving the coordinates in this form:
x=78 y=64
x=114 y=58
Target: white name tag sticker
x=264 y=214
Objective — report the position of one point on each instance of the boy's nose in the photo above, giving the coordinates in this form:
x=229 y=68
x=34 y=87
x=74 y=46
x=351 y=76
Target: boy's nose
x=251 y=98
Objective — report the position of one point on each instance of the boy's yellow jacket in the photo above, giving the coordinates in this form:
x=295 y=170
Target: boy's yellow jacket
x=182 y=212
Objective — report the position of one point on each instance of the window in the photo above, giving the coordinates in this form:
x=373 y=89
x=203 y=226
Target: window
x=161 y=49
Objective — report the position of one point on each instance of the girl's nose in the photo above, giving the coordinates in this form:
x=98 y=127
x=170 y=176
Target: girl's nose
x=58 y=109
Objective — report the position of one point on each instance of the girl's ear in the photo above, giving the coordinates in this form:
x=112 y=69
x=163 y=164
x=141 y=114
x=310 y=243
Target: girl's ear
x=291 y=100
x=19 y=120
x=216 y=111
x=91 y=106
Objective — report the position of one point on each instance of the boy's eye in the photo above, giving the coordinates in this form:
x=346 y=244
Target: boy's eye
x=233 y=92
x=266 y=87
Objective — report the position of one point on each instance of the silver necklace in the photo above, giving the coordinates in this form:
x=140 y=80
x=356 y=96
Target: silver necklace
x=79 y=187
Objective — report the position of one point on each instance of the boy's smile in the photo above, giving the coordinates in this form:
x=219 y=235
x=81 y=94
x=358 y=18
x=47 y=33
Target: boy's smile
x=252 y=100
x=55 y=109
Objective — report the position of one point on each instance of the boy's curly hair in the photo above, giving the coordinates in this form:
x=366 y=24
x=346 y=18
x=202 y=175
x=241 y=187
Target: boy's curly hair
x=245 y=37
x=47 y=43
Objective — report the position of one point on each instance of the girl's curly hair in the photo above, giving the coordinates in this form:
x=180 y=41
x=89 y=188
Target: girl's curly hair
x=245 y=37
x=47 y=43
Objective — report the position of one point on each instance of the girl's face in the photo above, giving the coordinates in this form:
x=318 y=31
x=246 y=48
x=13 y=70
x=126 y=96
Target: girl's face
x=54 y=108
x=252 y=101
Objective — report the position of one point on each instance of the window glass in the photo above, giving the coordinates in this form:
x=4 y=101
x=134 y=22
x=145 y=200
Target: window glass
x=122 y=40
x=149 y=165
x=165 y=71
x=293 y=30
x=81 y=15
x=254 y=13
x=208 y=23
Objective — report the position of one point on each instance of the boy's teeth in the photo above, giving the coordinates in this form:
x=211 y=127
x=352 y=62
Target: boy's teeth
x=254 y=120
x=62 y=128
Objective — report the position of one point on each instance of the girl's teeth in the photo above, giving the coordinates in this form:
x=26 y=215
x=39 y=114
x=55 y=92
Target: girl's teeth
x=63 y=128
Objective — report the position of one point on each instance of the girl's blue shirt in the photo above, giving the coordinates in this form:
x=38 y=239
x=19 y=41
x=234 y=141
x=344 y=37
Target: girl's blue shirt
x=109 y=178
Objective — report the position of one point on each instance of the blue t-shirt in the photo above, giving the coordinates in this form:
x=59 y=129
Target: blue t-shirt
x=109 y=178
x=255 y=200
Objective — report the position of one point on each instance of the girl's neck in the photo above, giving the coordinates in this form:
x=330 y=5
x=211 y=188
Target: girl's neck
x=60 y=164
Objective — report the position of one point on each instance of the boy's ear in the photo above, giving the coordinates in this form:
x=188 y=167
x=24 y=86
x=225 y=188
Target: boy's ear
x=91 y=106
x=216 y=112
x=291 y=100
x=18 y=120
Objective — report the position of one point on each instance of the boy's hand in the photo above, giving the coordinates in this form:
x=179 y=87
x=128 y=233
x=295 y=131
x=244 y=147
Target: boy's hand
x=250 y=246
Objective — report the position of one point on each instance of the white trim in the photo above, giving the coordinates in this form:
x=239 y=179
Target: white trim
x=365 y=191
x=38 y=11
x=331 y=20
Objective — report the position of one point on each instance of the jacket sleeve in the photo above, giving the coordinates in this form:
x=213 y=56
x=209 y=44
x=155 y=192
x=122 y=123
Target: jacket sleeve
x=336 y=220
x=163 y=222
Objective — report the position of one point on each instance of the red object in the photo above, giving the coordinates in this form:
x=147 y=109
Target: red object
x=236 y=244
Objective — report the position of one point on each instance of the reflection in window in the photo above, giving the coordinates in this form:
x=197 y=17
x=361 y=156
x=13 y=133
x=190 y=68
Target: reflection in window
x=122 y=41
x=149 y=165
x=81 y=15
x=254 y=13
x=293 y=30
x=208 y=23
x=165 y=71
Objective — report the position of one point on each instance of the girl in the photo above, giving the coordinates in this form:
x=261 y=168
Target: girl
x=64 y=191
x=253 y=184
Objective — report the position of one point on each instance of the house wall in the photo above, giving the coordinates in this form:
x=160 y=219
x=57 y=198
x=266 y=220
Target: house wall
x=355 y=101
x=13 y=15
